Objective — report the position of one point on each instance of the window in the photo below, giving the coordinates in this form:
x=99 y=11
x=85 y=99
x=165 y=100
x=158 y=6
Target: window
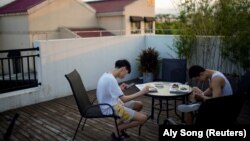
x=148 y=22
x=135 y=24
x=135 y=27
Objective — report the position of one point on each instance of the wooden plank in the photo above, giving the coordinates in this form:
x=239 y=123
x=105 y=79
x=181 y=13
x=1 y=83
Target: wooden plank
x=56 y=120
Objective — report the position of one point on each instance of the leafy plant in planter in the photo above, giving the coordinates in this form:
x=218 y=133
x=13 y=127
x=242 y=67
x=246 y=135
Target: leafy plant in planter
x=149 y=62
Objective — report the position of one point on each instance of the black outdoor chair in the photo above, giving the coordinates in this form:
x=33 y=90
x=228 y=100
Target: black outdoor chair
x=85 y=107
x=173 y=70
x=220 y=111
x=244 y=88
x=217 y=111
x=244 y=85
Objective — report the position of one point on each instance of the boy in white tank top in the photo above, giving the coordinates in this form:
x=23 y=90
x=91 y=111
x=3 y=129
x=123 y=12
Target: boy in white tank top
x=218 y=86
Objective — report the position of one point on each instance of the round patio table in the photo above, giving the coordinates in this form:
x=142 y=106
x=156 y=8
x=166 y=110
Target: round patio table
x=164 y=91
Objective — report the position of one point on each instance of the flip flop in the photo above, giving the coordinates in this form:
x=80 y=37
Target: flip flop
x=115 y=138
x=125 y=134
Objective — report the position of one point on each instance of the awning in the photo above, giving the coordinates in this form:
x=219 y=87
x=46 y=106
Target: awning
x=136 y=18
x=149 y=19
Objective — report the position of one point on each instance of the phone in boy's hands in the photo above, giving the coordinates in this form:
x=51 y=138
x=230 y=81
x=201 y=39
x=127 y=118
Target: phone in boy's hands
x=130 y=85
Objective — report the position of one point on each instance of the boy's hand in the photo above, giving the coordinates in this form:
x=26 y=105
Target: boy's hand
x=193 y=97
x=145 y=89
x=196 y=90
x=123 y=86
x=199 y=97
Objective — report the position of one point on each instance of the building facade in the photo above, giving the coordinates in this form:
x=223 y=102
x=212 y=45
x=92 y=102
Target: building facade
x=24 y=21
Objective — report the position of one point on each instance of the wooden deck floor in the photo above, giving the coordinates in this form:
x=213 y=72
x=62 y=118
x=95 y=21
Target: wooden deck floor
x=56 y=120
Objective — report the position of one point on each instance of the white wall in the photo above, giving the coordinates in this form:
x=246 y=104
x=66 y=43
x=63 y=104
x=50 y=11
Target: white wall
x=163 y=43
x=90 y=56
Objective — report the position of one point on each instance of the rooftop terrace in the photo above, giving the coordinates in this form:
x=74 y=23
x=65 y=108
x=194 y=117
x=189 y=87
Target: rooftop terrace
x=56 y=120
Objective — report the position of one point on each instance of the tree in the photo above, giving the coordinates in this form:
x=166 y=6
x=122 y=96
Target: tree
x=228 y=19
x=233 y=18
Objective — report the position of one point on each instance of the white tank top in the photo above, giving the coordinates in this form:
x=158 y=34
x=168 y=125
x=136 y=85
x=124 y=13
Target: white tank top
x=227 y=89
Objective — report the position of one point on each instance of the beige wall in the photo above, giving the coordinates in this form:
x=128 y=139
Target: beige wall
x=68 y=13
x=43 y=22
x=115 y=24
x=138 y=8
x=65 y=33
x=121 y=21
x=14 y=32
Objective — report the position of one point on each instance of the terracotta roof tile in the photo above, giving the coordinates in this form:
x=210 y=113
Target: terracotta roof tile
x=109 y=5
x=19 y=6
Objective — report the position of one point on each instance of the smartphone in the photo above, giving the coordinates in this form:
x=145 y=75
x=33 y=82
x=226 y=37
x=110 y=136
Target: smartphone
x=130 y=85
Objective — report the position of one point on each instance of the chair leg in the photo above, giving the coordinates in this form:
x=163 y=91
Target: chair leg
x=84 y=123
x=140 y=129
x=10 y=128
x=77 y=129
x=116 y=125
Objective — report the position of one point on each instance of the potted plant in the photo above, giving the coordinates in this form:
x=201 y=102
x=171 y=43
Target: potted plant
x=148 y=64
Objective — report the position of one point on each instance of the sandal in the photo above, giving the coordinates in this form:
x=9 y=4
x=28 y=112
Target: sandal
x=125 y=134
x=115 y=138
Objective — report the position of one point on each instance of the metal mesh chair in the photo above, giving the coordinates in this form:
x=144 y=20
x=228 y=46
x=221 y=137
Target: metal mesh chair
x=220 y=111
x=173 y=70
x=85 y=107
x=217 y=111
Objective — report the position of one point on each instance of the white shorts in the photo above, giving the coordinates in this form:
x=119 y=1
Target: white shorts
x=125 y=112
x=130 y=104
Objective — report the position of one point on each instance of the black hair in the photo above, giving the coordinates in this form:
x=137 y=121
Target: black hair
x=195 y=70
x=123 y=63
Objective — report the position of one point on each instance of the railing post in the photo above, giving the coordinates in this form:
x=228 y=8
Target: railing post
x=14 y=56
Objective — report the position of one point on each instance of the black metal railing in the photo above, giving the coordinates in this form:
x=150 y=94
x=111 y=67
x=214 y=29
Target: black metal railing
x=18 y=69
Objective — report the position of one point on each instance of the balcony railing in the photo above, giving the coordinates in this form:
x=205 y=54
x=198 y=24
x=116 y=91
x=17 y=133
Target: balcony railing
x=18 y=69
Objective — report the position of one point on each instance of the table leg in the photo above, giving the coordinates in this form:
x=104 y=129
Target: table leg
x=175 y=105
x=160 y=109
x=152 y=108
x=182 y=114
x=167 y=108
